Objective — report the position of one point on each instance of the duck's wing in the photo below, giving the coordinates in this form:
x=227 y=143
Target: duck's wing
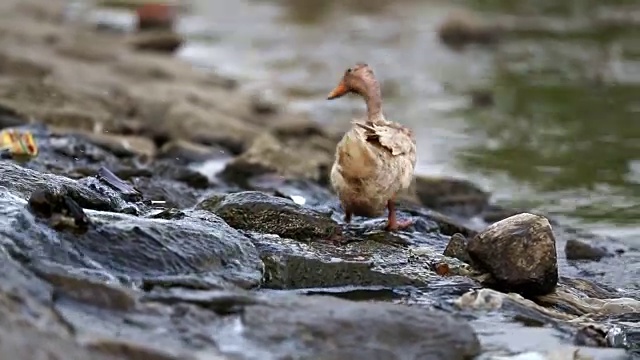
x=394 y=138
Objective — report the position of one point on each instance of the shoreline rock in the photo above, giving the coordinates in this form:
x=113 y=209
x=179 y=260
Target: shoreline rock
x=520 y=254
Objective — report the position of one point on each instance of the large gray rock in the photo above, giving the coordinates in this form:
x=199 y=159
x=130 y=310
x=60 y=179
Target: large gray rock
x=576 y=249
x=339 y=329
x=245 y=325
x=520 y=254
x=302 y=156
x=29 y=326
x=193 y=248
x=77 y=316
x=24 y=182
x=263 y=213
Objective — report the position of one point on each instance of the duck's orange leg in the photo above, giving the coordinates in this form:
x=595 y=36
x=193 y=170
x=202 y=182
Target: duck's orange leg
x=392 y=222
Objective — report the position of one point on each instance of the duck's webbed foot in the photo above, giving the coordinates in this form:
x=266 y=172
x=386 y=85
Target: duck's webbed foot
x=393 y=224
x=398 y=225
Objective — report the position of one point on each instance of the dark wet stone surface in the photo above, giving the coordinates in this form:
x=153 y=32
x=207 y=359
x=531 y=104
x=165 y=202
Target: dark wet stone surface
x=57 y=208
x=276 y=326
x=113 y=320
x=450 y=195
x=200 y=248
x=26 y=181
x=580 y=250
x=266 y=214
x=111 y=179
x=457 y=248
x=519 y=252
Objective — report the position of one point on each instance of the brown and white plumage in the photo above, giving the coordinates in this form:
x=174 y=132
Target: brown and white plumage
x=376 y=158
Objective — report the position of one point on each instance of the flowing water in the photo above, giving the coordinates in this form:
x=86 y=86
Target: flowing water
x=563 y=135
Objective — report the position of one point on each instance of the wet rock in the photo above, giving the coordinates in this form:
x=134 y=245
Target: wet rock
x=103 y=316
x=206 y=126
x=457 y=248
x=127 y=191
x=170 y=170
x=370 y=261
x=18 y=344
x=259 y=212
x=145 y=67
x=189 y=83
x=16 y=66
x=355 y=329
x=569 y=353
x=448 y=225
x=519 y=252
x=53 y=104
x=494 y=213
x=590 y=336
x=72 y=156
x=174 y=194
x=200 y=250
x=302 y=127
x=122 y=145
x=21 y=290
x=462 y=27
x=450 y=195
x=27 y=318
x=84 y=289
x=268 y=155
x=26 y=181
x=590 y=288
x=165 y=181
x=10 y=118
x=346 y=328
x=578 y=250
x=303 y=192
x=60 y=209
x=521 y=309
x=188 y=152
x=265 y=102
x=222 y=302
x=96 y=51
x=157 y=41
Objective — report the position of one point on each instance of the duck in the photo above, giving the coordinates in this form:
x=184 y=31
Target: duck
x=376 y=158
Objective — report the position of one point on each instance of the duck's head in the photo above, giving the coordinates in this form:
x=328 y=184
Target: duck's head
x=357 y=79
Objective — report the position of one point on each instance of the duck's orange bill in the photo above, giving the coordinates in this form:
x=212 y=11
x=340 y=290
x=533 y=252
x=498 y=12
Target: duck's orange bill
x=340 y=90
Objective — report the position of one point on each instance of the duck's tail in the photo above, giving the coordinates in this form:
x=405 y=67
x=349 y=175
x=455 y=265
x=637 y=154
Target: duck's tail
x=355 y=157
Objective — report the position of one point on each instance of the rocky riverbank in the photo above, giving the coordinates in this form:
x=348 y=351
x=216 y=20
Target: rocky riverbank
x=170 y=215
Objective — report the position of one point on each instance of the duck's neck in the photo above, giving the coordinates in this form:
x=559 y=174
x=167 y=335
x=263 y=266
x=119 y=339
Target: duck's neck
x=373 y=99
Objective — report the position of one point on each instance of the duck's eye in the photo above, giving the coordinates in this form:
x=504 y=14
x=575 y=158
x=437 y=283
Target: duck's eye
x=349 y=70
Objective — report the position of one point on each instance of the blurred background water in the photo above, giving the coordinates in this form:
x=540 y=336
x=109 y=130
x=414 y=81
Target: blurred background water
x=562 y=135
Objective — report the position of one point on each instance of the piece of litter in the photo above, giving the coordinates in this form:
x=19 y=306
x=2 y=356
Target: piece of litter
x=157 y=202
x=298 y=199
x=18 y=144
